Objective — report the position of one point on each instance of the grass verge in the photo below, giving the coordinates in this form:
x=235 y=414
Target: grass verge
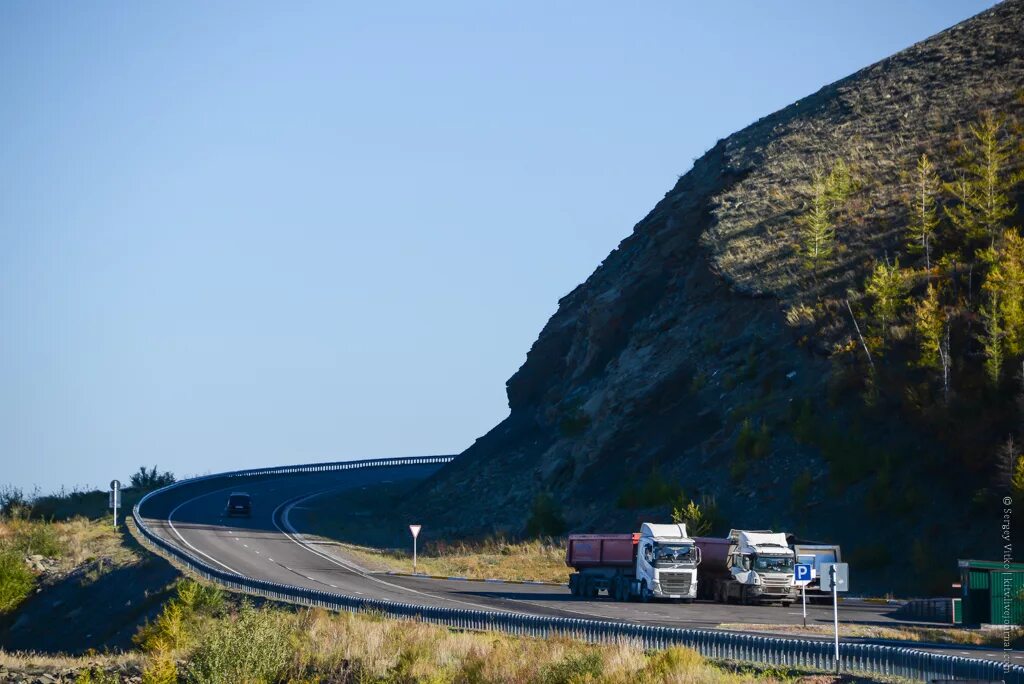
x=539 y=560
x=935 y=635
x=205 y=636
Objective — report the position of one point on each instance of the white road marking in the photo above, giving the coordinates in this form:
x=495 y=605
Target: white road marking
x=292 y=536
x=170 y=523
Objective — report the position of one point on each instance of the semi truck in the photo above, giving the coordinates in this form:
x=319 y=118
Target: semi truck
x=816 y=555
x=660 y=561
x=747 y=567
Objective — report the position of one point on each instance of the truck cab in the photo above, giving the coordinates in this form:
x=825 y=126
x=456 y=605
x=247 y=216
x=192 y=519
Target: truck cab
x=761 y=563
x=667 y=561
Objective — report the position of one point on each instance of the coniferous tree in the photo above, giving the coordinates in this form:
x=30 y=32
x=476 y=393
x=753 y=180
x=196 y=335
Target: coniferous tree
x=818 y=234
x=931 y=321
x=888 y=286
x=1006 y=281
x=982 y=189
x=829 y=193
x=924 y=207
x=992 y=337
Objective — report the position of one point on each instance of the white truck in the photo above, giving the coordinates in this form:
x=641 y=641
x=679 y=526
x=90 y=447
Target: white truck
x=660 y=561
x=816 y=555
x=747 y=567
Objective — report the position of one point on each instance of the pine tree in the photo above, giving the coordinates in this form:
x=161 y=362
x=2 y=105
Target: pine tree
x=931 y=321
x=818 y=234
x=924 y=208
x=983 y=190
x=829 y=193
x=1006 y=281
x=888 y=286
x=992 y=338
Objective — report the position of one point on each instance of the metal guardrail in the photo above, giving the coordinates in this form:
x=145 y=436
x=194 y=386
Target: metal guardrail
x=868 y=658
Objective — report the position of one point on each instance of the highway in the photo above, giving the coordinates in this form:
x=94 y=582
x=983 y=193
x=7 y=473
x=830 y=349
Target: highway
x=266 y=546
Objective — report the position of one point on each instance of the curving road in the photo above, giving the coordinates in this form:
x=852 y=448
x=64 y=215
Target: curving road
x=266 y=546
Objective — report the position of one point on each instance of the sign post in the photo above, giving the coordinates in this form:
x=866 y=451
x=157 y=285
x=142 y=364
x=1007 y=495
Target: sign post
x=839 y=580
x=415 y=529
x=115 y=498
x=802 y=577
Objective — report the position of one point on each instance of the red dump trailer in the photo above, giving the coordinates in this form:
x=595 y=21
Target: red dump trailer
x=599 y=560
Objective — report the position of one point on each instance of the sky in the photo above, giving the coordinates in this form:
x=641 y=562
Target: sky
x=244 y=234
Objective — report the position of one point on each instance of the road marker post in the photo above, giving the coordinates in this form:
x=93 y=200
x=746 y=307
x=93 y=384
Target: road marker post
x=115 y=498
x=415 y=529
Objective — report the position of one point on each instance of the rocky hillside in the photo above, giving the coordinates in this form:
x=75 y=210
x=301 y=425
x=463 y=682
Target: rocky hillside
x=710 y=358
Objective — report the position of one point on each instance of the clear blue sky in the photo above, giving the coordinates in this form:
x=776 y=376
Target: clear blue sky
x=239 y=234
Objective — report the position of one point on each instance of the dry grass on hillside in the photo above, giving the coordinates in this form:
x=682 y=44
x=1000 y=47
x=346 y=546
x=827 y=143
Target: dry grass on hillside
x=542 y=561
x=71 y=542
x=65 y=546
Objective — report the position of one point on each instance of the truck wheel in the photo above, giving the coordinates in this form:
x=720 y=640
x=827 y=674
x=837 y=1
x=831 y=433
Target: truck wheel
x=645 y=593
x=574 y=588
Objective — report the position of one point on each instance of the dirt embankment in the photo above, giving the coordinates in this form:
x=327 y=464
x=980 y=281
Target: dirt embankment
x=96 y=604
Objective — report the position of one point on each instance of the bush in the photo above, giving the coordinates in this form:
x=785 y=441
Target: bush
x=801 y=490
x=16 y=580
x=254 y=647
x=655 y=491
x=575 y=669
x=151 y=479
x=545 y=517
x=698 y=522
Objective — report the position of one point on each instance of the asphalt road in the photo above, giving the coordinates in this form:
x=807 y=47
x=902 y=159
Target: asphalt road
x=265 y=546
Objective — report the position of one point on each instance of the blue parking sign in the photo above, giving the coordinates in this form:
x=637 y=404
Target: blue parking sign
x=803 y=573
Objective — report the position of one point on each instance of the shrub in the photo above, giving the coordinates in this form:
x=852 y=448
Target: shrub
x=575 y=669
x=545 y=517
x=801 y=490
x=698 y=523
x=655 y=491
x=16 y=580
x=253 y=647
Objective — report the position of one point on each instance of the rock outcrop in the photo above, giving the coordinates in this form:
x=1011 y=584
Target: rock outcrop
x=679 y=341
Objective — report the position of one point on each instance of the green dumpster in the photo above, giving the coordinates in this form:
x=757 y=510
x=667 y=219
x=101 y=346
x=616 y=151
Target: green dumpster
x=992 y=592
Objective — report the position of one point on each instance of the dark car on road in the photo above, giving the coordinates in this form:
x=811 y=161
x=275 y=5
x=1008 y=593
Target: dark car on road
x=239 y=503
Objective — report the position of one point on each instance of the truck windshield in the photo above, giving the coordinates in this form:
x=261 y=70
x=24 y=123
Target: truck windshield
x=673 y=553
x=774 y=563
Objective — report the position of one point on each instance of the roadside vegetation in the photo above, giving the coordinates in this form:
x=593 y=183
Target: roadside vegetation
x=541 y=560
x=203 y=636
x=30 y=549
x=917 y=633
x=53 y=534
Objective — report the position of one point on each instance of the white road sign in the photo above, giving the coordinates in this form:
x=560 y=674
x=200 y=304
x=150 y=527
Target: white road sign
x=842 y=576
x=415 y=529
x=802 y=576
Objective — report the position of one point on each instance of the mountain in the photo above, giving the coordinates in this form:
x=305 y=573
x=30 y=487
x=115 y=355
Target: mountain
x=710 y=357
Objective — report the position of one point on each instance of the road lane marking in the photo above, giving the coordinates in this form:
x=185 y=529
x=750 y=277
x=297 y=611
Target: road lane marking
x=293 y=534
x=174 y=529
